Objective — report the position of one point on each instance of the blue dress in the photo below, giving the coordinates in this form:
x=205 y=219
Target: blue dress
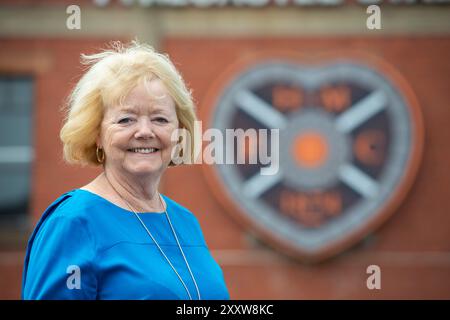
x=85 y=247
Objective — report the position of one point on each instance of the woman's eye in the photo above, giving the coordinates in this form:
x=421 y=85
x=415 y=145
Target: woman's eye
x=124 y=120
x=161 y=120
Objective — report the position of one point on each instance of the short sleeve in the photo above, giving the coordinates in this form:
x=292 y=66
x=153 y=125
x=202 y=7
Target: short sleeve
x=59 y=263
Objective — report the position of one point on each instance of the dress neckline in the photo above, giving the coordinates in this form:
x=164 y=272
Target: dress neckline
x=118 y=207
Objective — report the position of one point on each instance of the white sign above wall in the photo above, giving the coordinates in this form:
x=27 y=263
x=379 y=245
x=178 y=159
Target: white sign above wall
x=256 y=3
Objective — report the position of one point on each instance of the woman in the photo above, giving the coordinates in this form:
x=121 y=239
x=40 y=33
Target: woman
x=117 y=237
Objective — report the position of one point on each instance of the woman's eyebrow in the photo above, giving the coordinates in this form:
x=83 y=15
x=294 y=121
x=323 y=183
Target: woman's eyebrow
x=160 y=110
x=128 y=110
x=136 y=109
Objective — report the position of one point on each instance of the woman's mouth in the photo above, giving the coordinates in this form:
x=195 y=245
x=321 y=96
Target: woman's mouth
x=143 y=150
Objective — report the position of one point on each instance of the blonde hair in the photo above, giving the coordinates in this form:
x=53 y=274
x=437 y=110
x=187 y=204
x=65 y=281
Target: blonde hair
x=113 y=73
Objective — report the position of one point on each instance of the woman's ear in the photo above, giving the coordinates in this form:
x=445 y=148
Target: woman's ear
x=98 y=142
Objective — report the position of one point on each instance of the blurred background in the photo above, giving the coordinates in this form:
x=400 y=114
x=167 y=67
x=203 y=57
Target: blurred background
x=364 y=157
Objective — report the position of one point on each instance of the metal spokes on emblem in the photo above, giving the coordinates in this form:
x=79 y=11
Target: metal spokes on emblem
x=349 y=144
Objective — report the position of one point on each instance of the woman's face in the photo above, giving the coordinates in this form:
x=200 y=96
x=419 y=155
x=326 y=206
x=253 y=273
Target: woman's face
x=136 y=135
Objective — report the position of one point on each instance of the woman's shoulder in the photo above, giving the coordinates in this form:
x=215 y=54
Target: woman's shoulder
x=70 y=211
x=72 y=205
x=178 y=208
x=182 y=215
x=61 y=215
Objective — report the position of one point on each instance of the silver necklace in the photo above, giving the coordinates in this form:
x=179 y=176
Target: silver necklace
x=160 y=249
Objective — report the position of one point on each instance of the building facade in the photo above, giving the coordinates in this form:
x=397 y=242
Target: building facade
x=353 y=190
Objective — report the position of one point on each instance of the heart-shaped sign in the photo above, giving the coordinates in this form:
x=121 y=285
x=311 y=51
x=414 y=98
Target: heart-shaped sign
x=349 y=140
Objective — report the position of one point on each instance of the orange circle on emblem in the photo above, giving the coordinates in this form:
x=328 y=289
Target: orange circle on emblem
x=310 y=149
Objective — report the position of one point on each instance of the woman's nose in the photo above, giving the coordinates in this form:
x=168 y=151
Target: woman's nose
x=144 y=129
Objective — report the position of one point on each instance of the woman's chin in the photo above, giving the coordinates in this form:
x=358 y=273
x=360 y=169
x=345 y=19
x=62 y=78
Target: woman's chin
x=145 y=169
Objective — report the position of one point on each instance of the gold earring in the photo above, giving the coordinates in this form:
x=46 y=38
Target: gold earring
x=102 y=158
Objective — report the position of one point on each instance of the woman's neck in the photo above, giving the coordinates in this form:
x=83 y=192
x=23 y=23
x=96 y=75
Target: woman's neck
x=141 y=194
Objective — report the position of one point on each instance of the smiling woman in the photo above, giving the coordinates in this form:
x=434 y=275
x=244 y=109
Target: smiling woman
x=136 y=136
x=117 y=237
